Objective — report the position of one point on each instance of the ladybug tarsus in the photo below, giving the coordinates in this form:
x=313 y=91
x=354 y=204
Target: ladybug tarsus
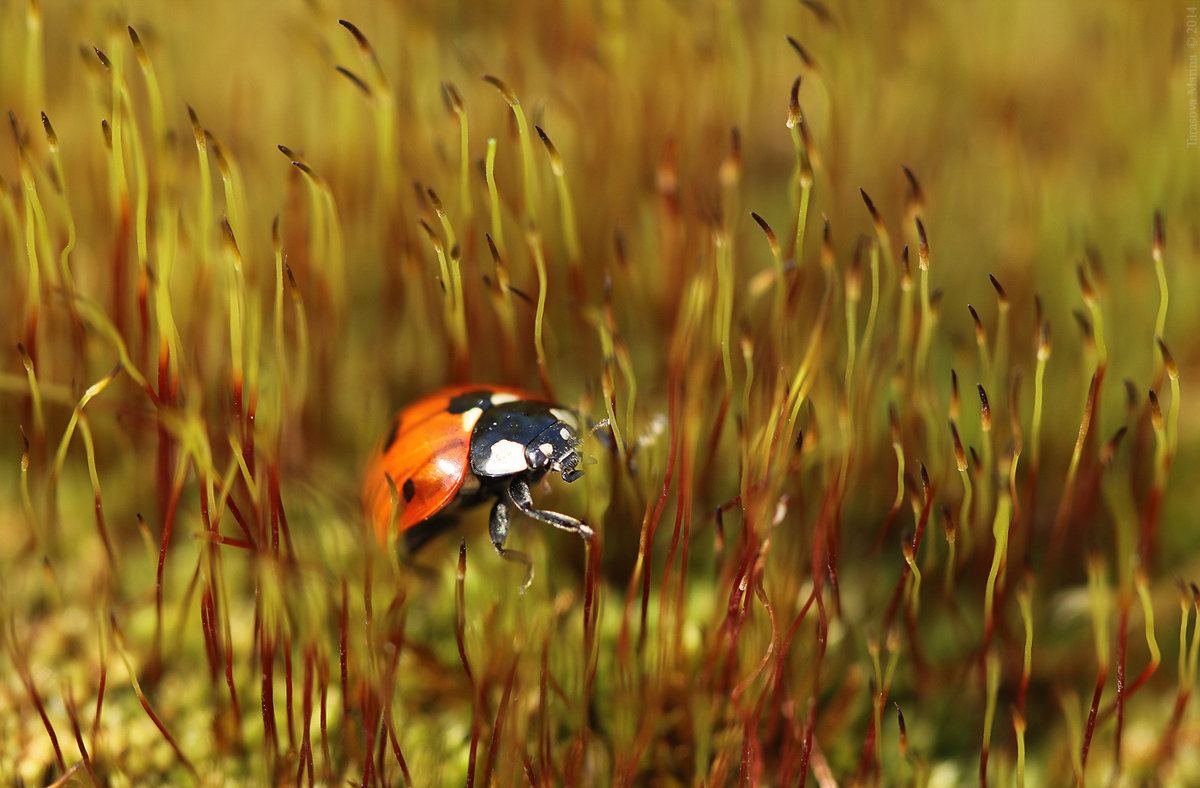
x=498 y=530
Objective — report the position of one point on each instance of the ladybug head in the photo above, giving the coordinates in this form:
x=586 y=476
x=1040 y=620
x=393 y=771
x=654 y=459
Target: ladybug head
x=556 y=448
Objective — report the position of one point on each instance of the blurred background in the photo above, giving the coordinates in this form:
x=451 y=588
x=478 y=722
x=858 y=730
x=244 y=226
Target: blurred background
x=195 y=522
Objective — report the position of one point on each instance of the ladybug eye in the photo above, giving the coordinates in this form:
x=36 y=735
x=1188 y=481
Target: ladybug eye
x=571 y=475
x=538 y=456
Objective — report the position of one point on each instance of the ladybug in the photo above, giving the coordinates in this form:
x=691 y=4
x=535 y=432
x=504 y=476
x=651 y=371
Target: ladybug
x=465 y=445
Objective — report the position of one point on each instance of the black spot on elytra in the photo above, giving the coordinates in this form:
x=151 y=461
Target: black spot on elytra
x=391 y=438
x=409 y=490
x=479 y=398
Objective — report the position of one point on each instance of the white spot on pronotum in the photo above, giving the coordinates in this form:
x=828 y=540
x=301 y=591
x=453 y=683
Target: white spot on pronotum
x=566 y=417
x=500 y=399
x=565 y=434
x=506 y=458
x=469 y=418
x=546 y=449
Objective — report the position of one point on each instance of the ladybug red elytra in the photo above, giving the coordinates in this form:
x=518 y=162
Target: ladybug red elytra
x=464 y=445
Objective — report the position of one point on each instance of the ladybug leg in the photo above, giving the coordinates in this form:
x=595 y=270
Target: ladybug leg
x=498 y=530
x=518 y=493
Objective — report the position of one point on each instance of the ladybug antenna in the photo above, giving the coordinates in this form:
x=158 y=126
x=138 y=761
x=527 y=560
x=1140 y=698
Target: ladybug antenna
x=598 y=426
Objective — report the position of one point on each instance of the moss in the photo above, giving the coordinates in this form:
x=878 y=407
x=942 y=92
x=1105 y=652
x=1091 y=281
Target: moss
x=899 y=495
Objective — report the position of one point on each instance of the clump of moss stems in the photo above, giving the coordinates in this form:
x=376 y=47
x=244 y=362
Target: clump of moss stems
x=779 y=418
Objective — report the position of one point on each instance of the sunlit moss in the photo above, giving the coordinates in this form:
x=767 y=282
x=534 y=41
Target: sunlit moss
x=207 y=338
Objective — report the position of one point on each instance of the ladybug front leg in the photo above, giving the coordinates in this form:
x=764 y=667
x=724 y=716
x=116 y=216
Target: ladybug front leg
x=518 y=493
x=498 y=530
